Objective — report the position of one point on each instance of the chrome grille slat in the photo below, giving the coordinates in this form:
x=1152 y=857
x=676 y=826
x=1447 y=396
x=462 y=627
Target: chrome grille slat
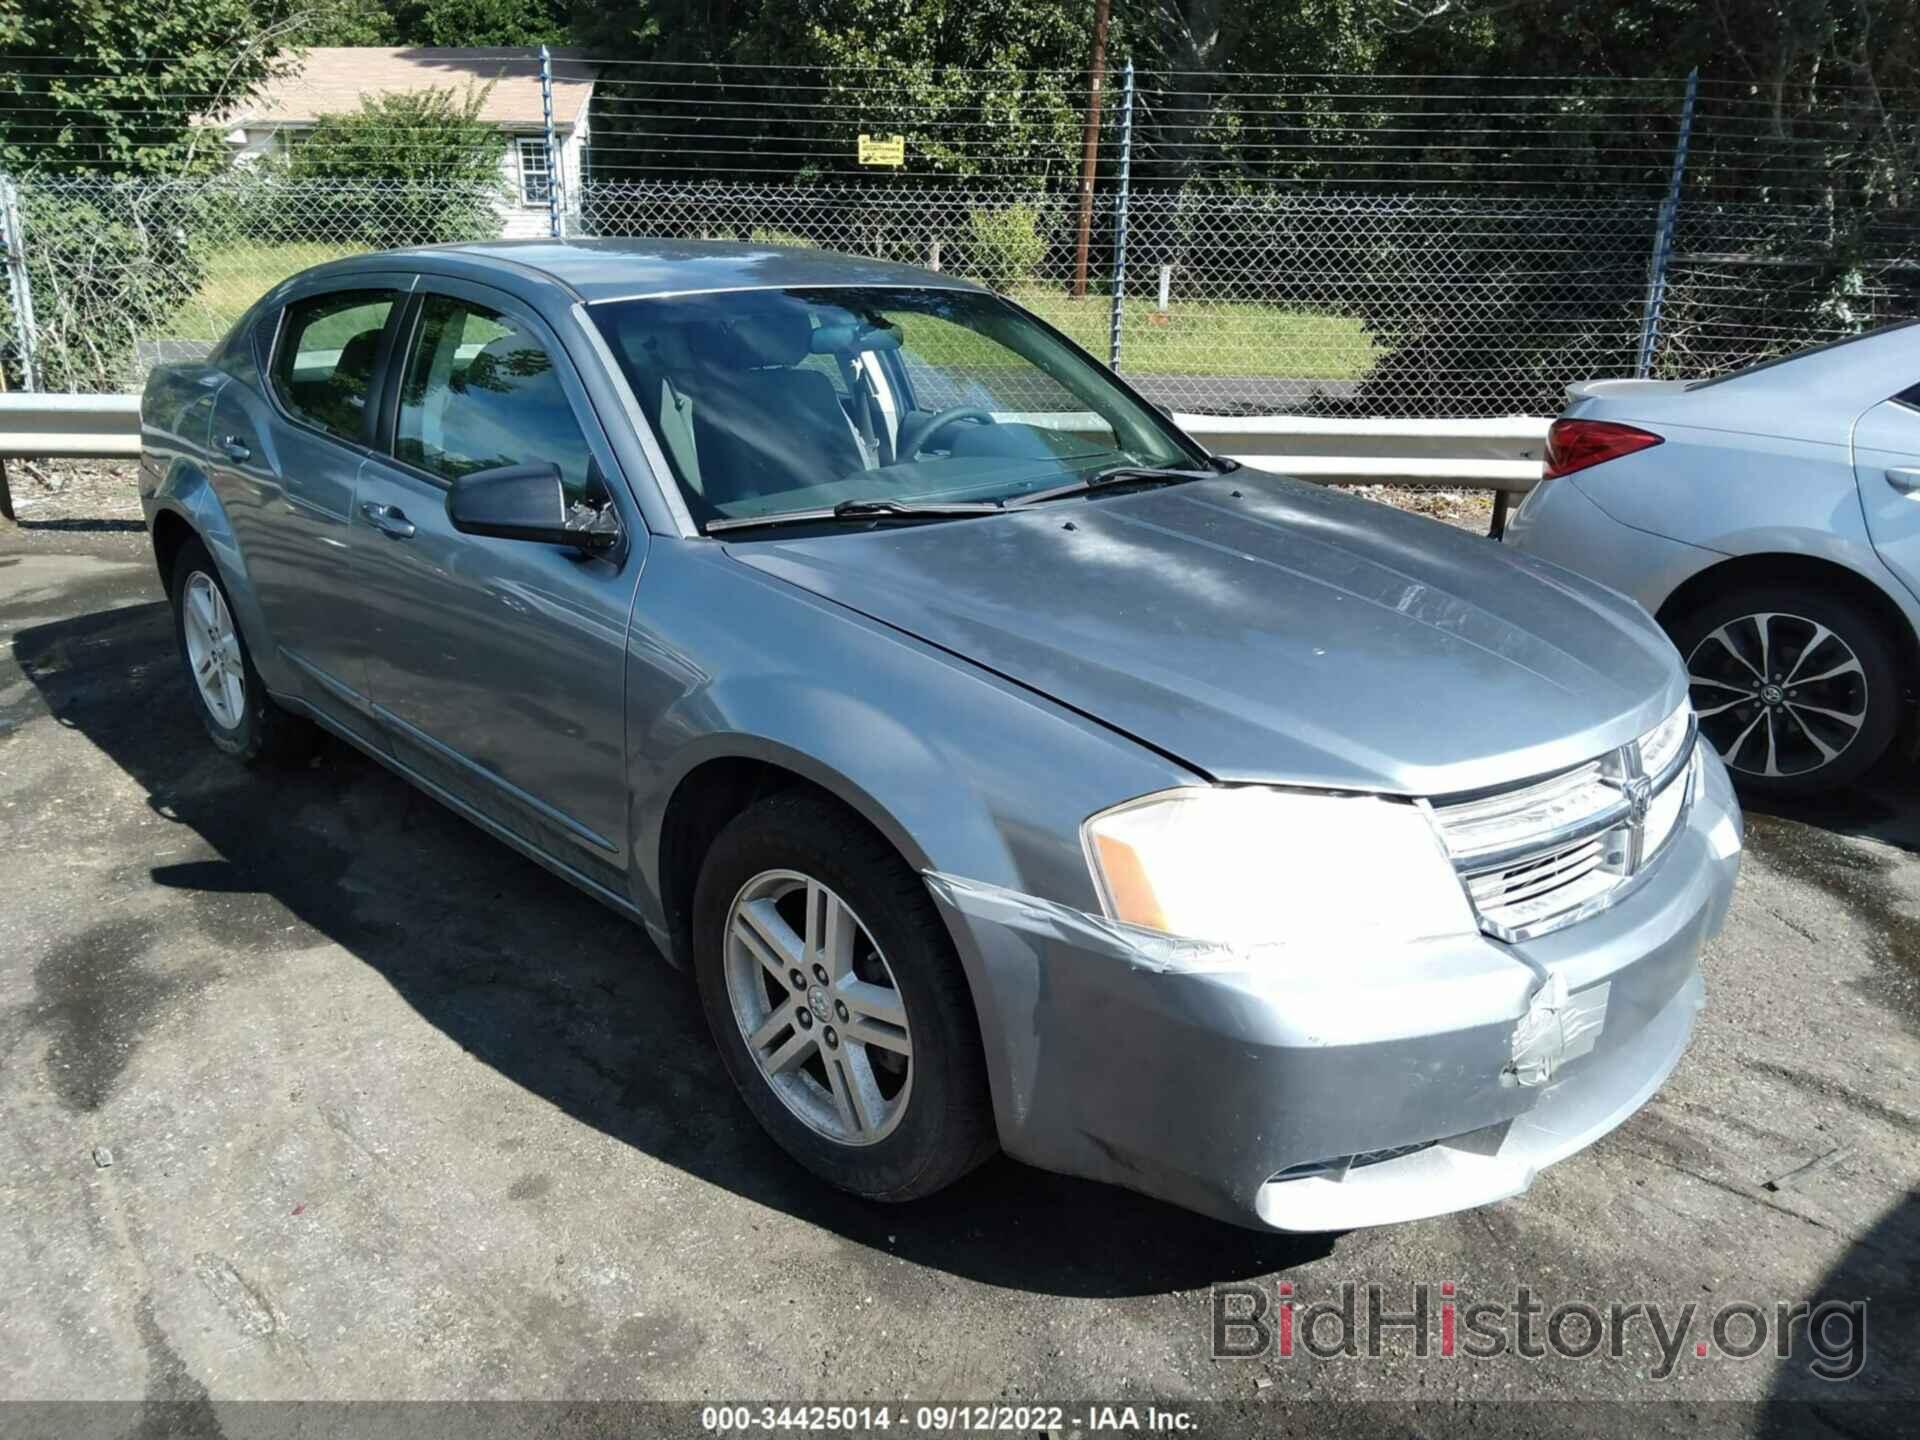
x=1545 y=853
x=1523 y=882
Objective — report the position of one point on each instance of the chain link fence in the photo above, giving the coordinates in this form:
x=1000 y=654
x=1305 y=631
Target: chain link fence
x=1383 y=296
x=123 y=274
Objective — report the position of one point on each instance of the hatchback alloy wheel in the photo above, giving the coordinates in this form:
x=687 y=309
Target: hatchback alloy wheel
x=819 y=1008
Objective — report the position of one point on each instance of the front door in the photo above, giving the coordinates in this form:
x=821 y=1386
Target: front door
x=497 y=666
x=1886 y=462
x=285 y=468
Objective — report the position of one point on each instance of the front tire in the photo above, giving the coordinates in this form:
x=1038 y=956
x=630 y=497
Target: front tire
x=1797 y=688
x=837 y=1001
x=241 y=718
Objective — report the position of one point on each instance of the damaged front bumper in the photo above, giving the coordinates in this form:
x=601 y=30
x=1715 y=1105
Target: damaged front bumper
x=1344 y=1089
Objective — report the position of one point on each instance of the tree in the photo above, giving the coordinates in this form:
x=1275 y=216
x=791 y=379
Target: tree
x=434 y=22
x=412 y=168
x=432 y=136
x=482 y=22
x=98 y=86
x=346 y=22
x=977 y=91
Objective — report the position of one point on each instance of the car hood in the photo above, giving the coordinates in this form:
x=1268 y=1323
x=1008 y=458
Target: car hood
x=1260 y=628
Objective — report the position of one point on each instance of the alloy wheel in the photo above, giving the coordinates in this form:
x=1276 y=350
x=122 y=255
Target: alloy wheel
x=818 y=1007
x=213 y=650
x=1777 y=694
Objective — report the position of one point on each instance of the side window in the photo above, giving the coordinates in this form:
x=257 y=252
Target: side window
x=481 y=392
x=1910 y=397
x=323 y=366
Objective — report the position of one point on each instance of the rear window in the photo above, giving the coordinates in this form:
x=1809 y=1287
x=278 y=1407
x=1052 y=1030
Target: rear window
x=1742 y=374
x=323 y=367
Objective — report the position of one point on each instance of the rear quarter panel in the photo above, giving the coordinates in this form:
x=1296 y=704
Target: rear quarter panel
x=176 y=414
x=175 y=476
x=1738 y=494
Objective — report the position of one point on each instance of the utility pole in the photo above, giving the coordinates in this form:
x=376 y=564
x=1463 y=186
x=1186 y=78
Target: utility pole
x=1097 y=69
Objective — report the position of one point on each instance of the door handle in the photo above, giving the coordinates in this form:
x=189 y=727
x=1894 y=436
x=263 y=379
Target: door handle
x=236 y=448
x=388 y=520
x=1907 y=482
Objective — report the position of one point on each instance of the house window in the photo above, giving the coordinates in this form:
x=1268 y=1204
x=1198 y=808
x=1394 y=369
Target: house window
x=536 y=175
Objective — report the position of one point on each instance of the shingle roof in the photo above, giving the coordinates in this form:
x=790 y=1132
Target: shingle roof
x=332 y=78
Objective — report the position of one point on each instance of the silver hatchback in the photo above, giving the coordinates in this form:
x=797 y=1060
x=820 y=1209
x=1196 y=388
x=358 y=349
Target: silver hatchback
x=1008 y=771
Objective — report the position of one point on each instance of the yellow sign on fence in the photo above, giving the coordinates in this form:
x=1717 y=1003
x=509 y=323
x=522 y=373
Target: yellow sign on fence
x=883 y=149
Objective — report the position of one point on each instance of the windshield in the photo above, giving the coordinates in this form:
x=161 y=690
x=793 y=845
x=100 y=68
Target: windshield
x=767 y=402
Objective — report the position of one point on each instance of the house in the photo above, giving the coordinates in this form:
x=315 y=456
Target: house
x=331 y=79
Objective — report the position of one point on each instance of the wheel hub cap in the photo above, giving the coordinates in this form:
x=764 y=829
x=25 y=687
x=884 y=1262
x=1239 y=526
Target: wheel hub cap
x=213 y=650
x=818 y=1007
x=1777 y=694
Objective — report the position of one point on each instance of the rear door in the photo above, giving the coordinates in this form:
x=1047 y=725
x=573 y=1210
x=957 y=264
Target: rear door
x=286 y=459
x=497 y=666
x=1886 y=461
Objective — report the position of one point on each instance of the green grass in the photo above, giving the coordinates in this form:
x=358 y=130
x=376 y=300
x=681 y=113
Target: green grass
x=1213 y=337
x=237 y=276
x=1199 y=337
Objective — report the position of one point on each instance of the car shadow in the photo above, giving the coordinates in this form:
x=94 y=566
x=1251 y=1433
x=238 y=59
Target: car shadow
x=1883 y=805
x=553 y=990
x=1853 y=1374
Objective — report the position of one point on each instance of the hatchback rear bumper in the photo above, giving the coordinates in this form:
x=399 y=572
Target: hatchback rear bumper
x=1350 y=1089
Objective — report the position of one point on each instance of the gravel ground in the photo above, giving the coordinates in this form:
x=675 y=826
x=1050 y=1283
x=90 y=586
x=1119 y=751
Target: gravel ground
x=310 y=1090
x=54 y=497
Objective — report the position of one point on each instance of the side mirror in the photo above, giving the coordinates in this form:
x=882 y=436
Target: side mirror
x=526 y=502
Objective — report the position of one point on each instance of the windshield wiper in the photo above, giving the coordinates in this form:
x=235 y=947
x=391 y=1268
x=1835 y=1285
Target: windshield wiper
x=865 y=510
x=1115 y=475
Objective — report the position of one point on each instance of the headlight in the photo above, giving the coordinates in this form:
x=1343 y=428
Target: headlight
x=1661 y=746
x=1251 y=866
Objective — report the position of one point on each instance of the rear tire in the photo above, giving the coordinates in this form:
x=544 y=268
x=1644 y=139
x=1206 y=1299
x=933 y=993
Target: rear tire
x=1820 y=710
x=891 y=1027
x=241 y=718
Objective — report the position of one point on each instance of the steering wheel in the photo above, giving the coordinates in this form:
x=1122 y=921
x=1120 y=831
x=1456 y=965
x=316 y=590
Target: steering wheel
x=914 y=435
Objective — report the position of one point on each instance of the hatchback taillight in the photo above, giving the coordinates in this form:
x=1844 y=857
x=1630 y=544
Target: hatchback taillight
x=1576 y=444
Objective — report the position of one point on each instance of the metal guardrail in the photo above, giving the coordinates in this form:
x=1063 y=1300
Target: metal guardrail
x=1500 y=455
x=1503 y=455
x=76 y=427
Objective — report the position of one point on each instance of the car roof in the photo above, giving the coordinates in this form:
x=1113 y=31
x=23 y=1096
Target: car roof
x=596 y=270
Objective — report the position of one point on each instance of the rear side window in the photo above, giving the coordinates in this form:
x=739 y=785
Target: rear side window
x=1910 y=397
x=323 y=367
x=481 y=392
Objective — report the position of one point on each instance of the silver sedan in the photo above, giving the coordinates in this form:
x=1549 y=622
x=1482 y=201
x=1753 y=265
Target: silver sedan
x=1008 y=771
x=1771 y=520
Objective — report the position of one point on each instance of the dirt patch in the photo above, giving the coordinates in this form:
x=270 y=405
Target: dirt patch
x=52 y=497
x=1468 y=509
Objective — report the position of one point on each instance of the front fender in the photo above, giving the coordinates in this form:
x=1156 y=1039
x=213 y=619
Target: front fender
x=963 y=771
